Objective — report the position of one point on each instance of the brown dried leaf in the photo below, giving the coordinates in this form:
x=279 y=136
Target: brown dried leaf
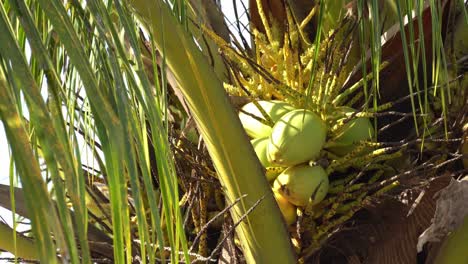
x=385 y=232
x=450 y=212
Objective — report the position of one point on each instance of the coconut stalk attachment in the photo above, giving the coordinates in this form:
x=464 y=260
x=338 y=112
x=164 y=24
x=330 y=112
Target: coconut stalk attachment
x=255 y=122
x=302 y=184
x=297 y=137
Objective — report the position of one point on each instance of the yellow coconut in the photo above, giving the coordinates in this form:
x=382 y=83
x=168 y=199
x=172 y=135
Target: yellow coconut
x=297 y=137
x=256 y=128
x=302 y=184
x=464 y=148
x=287 y=209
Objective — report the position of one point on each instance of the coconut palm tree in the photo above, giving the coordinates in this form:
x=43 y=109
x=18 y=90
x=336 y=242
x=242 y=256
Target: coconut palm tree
x=122 y=121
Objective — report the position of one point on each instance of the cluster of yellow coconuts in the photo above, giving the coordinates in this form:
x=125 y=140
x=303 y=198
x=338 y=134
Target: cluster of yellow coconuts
x=286 y=148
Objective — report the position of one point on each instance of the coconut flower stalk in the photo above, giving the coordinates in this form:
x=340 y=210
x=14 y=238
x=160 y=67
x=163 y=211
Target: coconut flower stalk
x=263 y=231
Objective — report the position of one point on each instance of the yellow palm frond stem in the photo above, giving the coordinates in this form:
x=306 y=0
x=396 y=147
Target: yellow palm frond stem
x=238 y=168
x=18 y=245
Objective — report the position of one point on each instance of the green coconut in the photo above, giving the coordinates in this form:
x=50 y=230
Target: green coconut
x=355 y=130
x=302 y=184
x=297 y=137
x=260 y=147
x=256 y=128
